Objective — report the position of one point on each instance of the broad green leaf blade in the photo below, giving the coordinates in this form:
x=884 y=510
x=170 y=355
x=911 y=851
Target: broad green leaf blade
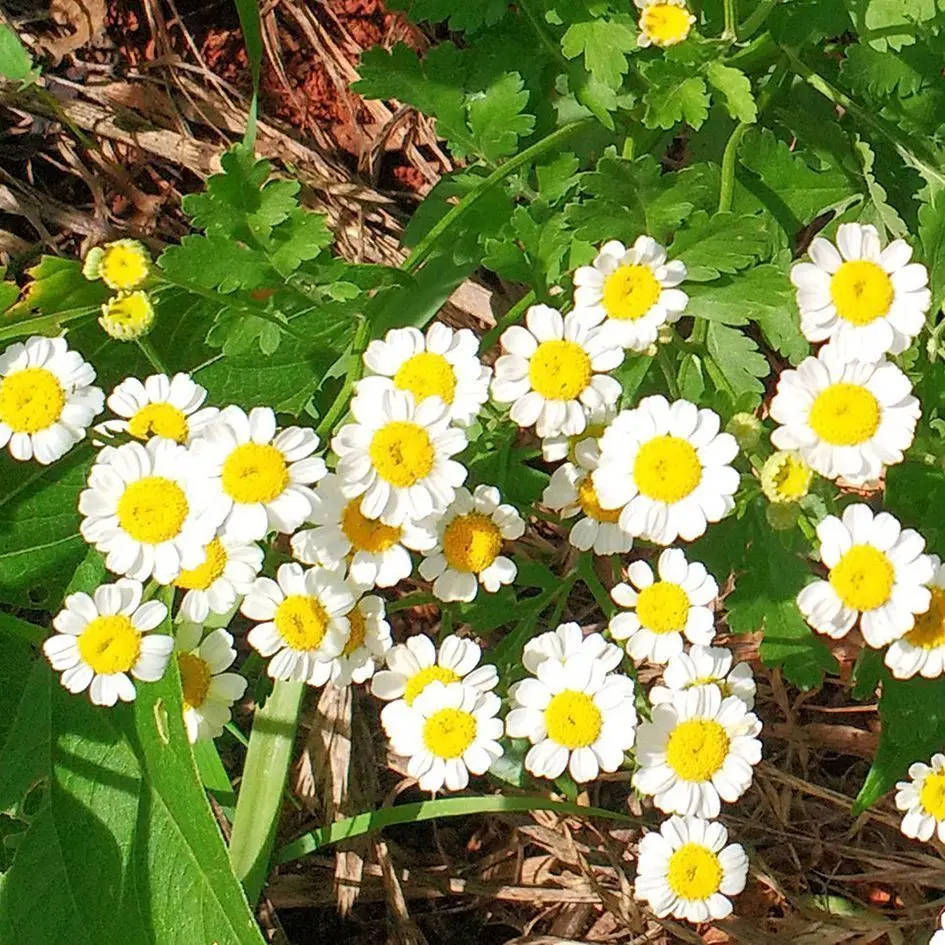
x=724 y=242
x=16 y=63
x=496 y=116
x=734 y=87
x=676 y=93
x=604 y=44
x=932 y=235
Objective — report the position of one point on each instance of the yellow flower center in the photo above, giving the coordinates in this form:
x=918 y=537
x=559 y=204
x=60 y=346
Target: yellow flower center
x=724 y=687
x=663 y=607
x=402 y=453
x=31 y=400
x=929 y=629
x=123 y=267
x=861 y=292
x=128 y=316
x=785 y=477
x=696 y=749
x=358 y=630
x=153 y=510
x=559 y=370
x=694 y=872
x=667 y=469
x=110 y=644
x=159 y=420
x=302 y=622
x=427 y=375
x=419 y=681
x=572 y=719
x=845 y=414
x=863 y=578
x=194 y=679
x=932 y=795
x=449 y=732
x=255 y=472
x=666 y=23
x=630 y=292
x=201 y=577
x=471 y=542
x=587 y=498
x=367 y=534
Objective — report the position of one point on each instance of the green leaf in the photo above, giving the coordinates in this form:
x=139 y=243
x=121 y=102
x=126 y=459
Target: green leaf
x=469 y=17
x=932 y=237
x=558 y=176
x=738 y=360
x=800 y=22
x=675 y=94
x=912 y=488
x=724 y=242
x=217 y=262
x=496 y=119
x=887 y=218
x=604 y=44
x=57 y=288
x=882 y=74
x=302 y=236
x=892 y=24
x=735 y=88
x=16 y=64
x=487 y=612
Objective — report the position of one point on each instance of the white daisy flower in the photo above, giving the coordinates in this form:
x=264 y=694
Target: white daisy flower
x=576 y=714
x=697 y=749
x=661 y=612
x=568 y=640
x=377 y=554
x=633 y=289
x=922 y=649
x=923 y=800
x=663 y=23
x=558 y=447
x=469 y=543
x=845 y=418
x=47 y=400
x=863 y=299
x=554 y=371
x=209 y=691
x=103 y=639
x=689 y=869
x=396 y=456
x=303 y=622
x=260 y=475
x=702 y=666
x=413 y=665
x=445 y=364
x=226 y=573
x=667 y=467
x=148 y=508
x=449 y=732
x=877 y=574
x=160 y=406
x=368 y=642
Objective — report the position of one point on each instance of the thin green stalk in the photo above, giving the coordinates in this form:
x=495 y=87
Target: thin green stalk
x=667 y=367
x=594 y=584
x=755 y=20
x=509 y=318
x=730 y=12
x=361 y=337
x=553 y=49
x=727 y=187
x=264 y=777
x=411 y=600
x=147 y=349
x=426 y=246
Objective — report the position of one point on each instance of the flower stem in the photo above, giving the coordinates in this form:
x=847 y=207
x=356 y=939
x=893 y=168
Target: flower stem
x=755 y=19
x=727 y=187
x=730 y=12
x=338 y=405
x=147 y=349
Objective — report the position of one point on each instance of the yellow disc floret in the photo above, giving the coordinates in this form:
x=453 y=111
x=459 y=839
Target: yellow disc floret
x=153 y=510
x=929 y=629
x=471 y=542
x=697 y=748
x=367 y=534
x=630 y=292
x=694 y=872
x=785 y=477
x=590 y=504
x=932 y=794
x=845 y=414
x=427 y=375
x=127 y=316
x=123 y=265
x=194 y=679
x=31 y=400
x=861 y=291
x=863 y=578
x=667 y=23
x=573 y=720
x=419 y=681
x=559 y=370
x=402 y=453
x=302 y=622
x=255 y=472
x=203 y=576
x=663 y=607
x=449 y=732
x=110 y=644
x=357 y=633
x=159 y=420
x=667 y=469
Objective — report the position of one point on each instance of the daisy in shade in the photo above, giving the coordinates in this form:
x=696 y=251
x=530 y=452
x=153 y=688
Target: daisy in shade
x=469 y=545
x=863 y=299
x=377 y=554
x=226 y=573
x=121 y=265
x=444 y=363
x=47 y=400
x=576 y=714
x=923 y=800
x=633 y=289
x=877 y=574
x=260 y=475
x=666 y=466
x=663 y=23
x=102 y=640
x=558 y=447
x=568 y=640
x=396 y=457
x=697 y=749
x=209 y=690
x=449 y=732
x=160 y=406
x=148 y=509
x=845 y=418
x=368 y=641
x=303 y=622
x=689 y=869
x=554 y=370
x=702 y=666
x=660 y=612
x=922 y=650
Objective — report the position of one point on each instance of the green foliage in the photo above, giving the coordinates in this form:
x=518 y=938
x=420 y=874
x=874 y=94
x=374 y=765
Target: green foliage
x=932 y=236
x=604 y=44
x=674 y=94
x=16 y=64
x=735 y=88
x=723 y=242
